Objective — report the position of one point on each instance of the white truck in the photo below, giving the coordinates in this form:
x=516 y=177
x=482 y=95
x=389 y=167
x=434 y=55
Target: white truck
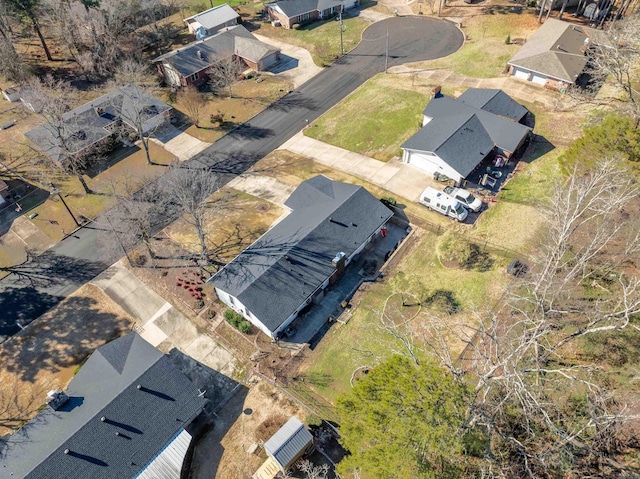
x=463 y=196
x=443 y=204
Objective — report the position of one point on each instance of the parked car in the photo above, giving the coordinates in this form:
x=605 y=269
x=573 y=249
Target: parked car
x=443 y=204
x=464 y=197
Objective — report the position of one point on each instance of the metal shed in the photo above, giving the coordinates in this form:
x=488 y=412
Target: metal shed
x=290 y=442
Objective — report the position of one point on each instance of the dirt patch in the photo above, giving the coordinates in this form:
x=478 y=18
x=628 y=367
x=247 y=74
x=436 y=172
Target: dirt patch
x=47 y=353
x=223 y=452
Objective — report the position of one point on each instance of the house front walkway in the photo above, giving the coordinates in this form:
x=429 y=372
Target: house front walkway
x=400 y=179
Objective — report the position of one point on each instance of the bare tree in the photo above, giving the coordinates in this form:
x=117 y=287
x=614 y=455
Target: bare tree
x=11 y=65
x=194 y=103
x=30 y=10
x=520 y=357
x=311 y=471
x=224 y=73
x=191 y=191
x=63 y=138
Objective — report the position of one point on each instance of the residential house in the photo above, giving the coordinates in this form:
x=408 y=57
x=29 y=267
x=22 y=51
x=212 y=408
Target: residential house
x=288 y=13
x=288 y=444
x=210 y=21
x=127 y=413
x=293 y=263
x=98 y=122
x=554 y=56
x=188 y=65
x=457 y=136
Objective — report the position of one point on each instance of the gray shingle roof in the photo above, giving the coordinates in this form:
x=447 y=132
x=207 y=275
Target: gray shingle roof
x=232 y=40
x=555 y=50
x=288 y=442
x=82 y=126
x=293 y=8
x=278 y=272
x=106 y=387
x=494 y=101
x=463 y=135
x=215 y=16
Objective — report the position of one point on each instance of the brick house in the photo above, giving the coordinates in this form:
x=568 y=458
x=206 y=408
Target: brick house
x=291 y=12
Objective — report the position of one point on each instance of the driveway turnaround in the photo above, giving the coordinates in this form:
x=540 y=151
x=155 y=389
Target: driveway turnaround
x=82 y=256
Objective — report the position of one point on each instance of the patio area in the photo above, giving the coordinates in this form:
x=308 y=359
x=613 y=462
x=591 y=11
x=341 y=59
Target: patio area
x=310 y=326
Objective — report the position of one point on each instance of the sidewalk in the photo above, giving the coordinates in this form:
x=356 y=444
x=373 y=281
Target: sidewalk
x=400 y=179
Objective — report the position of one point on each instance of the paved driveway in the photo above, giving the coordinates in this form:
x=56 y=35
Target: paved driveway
x=296 y=64
x=180 y=143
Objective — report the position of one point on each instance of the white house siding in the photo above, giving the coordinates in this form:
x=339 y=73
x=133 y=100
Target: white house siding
x=539 y=79
x=430 y=164
x=168 y=463
x=426 y=119
x=522 y=74
x=193 y=27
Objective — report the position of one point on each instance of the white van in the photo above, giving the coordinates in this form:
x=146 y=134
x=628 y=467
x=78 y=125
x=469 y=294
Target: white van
x=443 y=204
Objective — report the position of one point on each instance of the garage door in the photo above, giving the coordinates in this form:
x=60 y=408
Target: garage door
x=539 y=79
x=422 y=162
x=522 y=74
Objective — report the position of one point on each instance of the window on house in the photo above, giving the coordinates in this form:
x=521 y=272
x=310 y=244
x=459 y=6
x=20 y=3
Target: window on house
x=233 y=303
x=194 y=77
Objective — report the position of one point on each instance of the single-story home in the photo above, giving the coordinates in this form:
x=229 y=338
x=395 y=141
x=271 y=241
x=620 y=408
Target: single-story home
x=188 y=65
x=459 y=134
x=99 y=121
x=289 y=443
x=555 y=55
x=293 y=263
x=128 y=412
x=287 y=13
x=207 y=23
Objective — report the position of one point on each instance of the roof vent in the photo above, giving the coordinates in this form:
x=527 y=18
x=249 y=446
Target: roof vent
x=199 y=53
x=56 y=398
x=67 y=451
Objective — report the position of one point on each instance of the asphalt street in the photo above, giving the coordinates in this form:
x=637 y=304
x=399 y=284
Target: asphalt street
x=35 y=287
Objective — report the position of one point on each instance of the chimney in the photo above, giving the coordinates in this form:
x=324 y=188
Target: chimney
x=435 y=93
x=56 y=398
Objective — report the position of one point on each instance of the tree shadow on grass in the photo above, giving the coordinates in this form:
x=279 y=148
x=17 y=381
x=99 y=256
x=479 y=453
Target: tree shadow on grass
x=62 y=339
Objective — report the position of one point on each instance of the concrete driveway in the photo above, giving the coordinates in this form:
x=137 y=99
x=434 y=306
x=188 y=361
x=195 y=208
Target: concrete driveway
x=403 y=180
x=296 y=64
x=158 y=322
x=179 y=143
x=265 y=187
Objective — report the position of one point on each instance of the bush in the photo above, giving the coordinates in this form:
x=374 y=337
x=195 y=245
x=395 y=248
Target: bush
x=508 y=40
x=237 y=321
x=244 y=326
x=296 y=26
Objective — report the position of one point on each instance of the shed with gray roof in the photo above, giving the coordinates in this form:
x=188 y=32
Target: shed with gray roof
x=456 y=137
x=129 y=410
x=289 y=443
x=295 y=261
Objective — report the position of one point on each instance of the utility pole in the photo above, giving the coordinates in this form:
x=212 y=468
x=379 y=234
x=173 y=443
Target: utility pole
x=386 y=54
x=56 y=191
x=341 y=44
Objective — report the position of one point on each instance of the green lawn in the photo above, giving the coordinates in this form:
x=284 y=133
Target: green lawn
x=322 y=39
x=361 y=343
x=485 y=52
x=375 y=120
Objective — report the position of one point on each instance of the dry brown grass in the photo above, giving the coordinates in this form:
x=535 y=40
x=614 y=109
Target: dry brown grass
x=46 y=354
